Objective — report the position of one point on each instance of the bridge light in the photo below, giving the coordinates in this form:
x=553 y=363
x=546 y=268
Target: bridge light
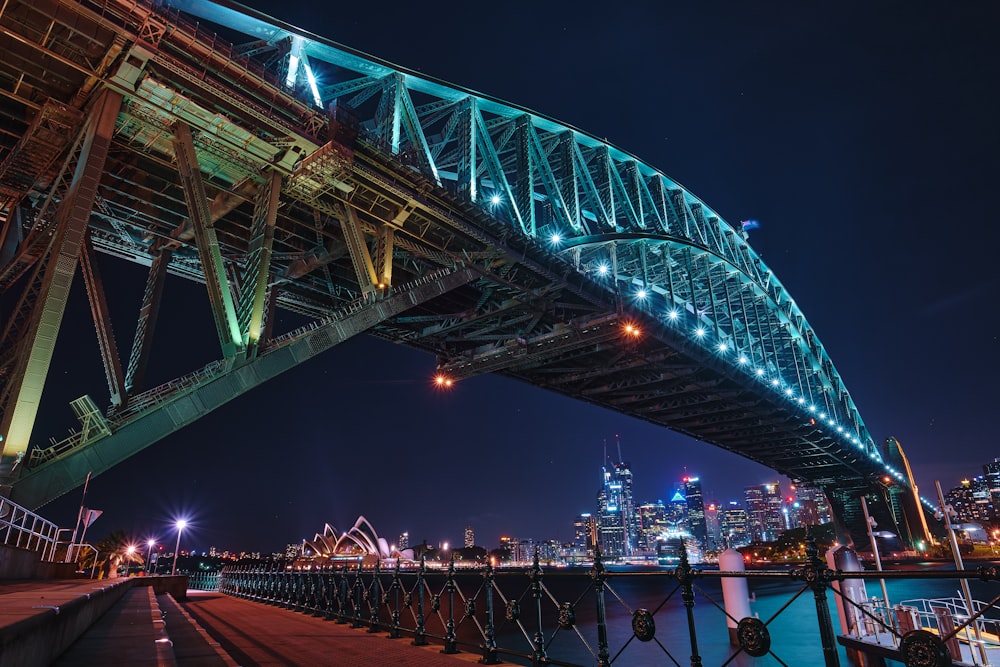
x=699 y=332
x=632 y=330
x=672 y=314
x=641 y=294
x=443 y=381
x=555 y=238
x=723 y=347
x=802 y=401
x=760 y=372
x=789 y=392
x=774 y=382
x=812 y=408
x=840 y=429
x=603 y=269
x=830 y=421
x=743 y=360
x=494 y=200
x=822 y=415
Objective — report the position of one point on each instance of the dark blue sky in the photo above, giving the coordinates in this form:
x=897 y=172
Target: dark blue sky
x=863 y=139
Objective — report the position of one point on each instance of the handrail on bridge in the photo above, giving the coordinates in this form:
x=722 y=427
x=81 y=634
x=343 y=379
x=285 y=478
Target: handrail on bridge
x=24 y=529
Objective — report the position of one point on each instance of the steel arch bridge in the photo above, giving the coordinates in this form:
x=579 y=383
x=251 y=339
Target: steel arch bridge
x=282 y=170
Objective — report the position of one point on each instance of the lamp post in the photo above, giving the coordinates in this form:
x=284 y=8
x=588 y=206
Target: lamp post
x=177 y=549
x=149 y=554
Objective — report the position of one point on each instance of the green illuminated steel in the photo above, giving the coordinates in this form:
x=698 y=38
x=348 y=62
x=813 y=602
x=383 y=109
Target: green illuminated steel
x=214 y=270
x=23 y=390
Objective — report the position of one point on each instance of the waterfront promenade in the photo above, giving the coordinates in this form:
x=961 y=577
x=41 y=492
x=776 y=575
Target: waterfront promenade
x=123 y=622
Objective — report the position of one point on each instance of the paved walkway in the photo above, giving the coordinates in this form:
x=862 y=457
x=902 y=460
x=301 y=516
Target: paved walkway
x=258 y=634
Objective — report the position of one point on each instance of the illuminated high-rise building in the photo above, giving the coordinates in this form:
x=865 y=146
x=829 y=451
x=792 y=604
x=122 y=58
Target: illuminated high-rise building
x=611 y=525
x=695 y=509
x=470 y=537
x=404 y=541
x=765 y=519
x=584 y=528
x=733 y=525
x=677 y=512
x=712 y=512
x=652 y=522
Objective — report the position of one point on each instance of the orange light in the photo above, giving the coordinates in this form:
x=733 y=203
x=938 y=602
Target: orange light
x=632 y=330
x=442 y=380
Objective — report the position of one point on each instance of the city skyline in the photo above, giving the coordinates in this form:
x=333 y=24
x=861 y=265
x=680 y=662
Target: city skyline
x=863 y=144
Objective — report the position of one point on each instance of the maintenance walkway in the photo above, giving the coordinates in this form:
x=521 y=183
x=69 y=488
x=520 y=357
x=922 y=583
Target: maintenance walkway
x=71 y=623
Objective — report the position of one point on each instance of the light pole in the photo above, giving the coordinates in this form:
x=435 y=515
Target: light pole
x=177 y=549
x=149 y=554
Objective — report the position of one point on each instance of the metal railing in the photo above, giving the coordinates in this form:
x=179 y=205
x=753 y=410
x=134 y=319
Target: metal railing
x=204 y=581
x=22 y=528
x=604 y=617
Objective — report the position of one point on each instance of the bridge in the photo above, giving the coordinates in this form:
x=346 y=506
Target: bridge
x=281 y=170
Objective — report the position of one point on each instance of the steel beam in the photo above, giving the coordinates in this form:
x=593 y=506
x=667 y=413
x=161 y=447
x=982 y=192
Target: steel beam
x=23 y=390
x=258 y=264
x=149 y=311
x=214 y=269
x=102 y=323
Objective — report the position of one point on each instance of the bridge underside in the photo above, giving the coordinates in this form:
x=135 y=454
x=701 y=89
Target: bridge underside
x=135 y=134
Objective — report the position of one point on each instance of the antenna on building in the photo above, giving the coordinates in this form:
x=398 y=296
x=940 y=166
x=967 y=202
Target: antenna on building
x=604 y=463
x=619 y=441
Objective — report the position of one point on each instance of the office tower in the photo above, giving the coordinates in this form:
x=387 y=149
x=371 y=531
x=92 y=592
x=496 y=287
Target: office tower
x=765 y=519
x=733 y=525
x=652 y=522
x=695 y=509
x=470 y=537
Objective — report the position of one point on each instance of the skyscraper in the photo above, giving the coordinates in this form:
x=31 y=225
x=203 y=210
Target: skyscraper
x=652 y=524
x=470 y=537
x=695 y=509
x=765 y=520
x=733 y=525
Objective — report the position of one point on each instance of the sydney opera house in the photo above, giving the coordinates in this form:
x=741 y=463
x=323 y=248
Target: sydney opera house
x=360 y=544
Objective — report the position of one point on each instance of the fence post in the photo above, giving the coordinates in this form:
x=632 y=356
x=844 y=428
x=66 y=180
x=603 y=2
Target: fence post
x=342 y=596
x=396 y=585
x=358 y=596
x=536 y=592
x=686 y=575
x=374 y=599
x=420 y=634
x=449 y=635
x=598 y=575
x=818 y=576
x=490 y=645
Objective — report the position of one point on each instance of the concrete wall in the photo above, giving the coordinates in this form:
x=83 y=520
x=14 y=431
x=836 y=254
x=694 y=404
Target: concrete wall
x=18 y=563
x=176 y=585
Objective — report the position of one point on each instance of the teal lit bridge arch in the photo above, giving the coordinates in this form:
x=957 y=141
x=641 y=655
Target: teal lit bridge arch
x=282 y=170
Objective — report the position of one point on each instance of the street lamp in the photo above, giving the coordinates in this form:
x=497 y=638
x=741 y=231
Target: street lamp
x=149 y=553
x=177 y=549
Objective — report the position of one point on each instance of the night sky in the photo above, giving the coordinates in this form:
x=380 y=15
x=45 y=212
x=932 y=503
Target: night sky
x=865 y=142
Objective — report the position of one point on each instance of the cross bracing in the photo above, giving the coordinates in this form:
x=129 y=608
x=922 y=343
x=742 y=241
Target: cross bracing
x=282 y=170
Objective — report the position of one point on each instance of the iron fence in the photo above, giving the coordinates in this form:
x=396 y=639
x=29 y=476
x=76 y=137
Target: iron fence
x=555 y=617
x=20 y=527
